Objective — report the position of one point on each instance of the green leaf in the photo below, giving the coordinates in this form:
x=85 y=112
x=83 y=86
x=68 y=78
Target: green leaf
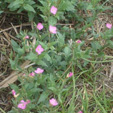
x=14 y=63
x=67 y=51
x=31 y=56
x=90 y=7
x=48 y=58
x=52 y=89
x=43 y=97
x=29 y=8
x=67 y=5
x=20 y=51
x=61 y=39
x=15 y=3
x=110 y=43
x=96 y=45
x=59 y=98
x=31 y=16
x=1 y=12
x=42 y=63
x=15 y=45
x=52 y=20
x=15 y=87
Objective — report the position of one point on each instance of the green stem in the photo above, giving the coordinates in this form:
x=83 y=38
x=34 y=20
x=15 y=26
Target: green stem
x=97 y=61
x=2 y=110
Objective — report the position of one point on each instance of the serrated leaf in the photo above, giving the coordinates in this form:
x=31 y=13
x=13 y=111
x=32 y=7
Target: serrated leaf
x=67 y=5
x=52 y=20
x=31 y=56
x=20 y=51
x=47 y=57
x=61 y=39
x=15 y=3
x=31 y=16
x=96 y=45
x=42 y=63
x=43 y=97
x=90 y=7
x=52 y=89
x=15 y=45
x=67 y=51
x=12 y=62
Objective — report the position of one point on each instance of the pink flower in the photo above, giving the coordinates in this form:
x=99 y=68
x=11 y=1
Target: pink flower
x=39 y=49
x=53 y=102
x=40 y=26
x=39 y=71
x=24 y=74
x=14 y=93
x=80 y=112
x=32 y=74
x=52 y=29
x=109 y=26
x=28 y=101
x=70 y=74
x=27 y=37
x=53 y=10
x=78 y=41
x=22 y=104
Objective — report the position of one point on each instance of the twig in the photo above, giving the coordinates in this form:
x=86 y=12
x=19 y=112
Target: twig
x=111 y=111
x=109 y=87
x=15 y=27
x=13 y=37
x=29 y=65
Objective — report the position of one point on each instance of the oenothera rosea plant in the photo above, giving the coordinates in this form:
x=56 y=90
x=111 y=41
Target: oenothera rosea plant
x=52 y=65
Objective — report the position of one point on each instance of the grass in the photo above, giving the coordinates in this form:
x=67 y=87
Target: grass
x=90 y=89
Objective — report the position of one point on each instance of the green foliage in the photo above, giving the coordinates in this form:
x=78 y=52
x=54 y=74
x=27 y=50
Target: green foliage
x=62 y=54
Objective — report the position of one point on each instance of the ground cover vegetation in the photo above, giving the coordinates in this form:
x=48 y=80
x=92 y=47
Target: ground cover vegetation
x=69 y=50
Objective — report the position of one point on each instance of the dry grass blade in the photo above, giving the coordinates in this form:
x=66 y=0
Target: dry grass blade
x=13 y=76
x=14 y=29
x=111 y=111
x=7 y=37
x=27 y=24
x=111 y=70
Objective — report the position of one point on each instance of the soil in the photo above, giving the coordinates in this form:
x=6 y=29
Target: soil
x=10 y=26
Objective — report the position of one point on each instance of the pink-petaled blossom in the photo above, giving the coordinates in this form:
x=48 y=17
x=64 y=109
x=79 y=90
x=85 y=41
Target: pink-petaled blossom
x=39 y=71
x=69 y=74
x=24 y=74
x=53 y=10
x=28 y=101
x=53 y=102
x=27 y=37
x=39 y=49
x=52 y=29
x=40 y=26
x=80 y=112
x=22 y=105
x=14 y=93
x=109 y=26
x=32 y=74
x=78 y=41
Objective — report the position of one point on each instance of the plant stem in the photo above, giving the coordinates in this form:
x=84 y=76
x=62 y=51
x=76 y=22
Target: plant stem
x=2 y=110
